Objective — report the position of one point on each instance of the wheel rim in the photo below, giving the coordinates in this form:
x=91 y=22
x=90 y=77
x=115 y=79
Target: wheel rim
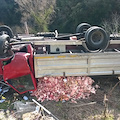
x=97 y=37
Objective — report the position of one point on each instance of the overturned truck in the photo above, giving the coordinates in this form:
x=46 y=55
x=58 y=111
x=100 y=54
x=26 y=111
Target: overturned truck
x=88 y=52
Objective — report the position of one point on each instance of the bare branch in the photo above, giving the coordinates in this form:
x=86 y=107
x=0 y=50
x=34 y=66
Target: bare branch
x=112 y=26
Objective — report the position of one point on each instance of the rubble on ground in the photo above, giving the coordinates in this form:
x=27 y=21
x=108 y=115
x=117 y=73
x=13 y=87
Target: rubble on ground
x=24 y=107
x=29 y=111
x=64 y=89
x=6 y=115
x=35 y=116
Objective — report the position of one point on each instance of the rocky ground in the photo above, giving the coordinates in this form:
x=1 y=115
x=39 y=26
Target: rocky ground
x=92 y=108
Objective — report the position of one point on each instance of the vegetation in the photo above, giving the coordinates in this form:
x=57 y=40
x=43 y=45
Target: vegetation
x=37 y=13
x=9 y=13
x=69 y=13
x=64 y=15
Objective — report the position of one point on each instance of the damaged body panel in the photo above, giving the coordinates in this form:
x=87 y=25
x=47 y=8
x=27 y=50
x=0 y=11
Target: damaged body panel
x=17 y=77
x=17 y=69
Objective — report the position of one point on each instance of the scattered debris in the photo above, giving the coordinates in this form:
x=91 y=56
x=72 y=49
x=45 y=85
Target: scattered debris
x=24 y=107
x=15 y=96
x=32 y=111
x=6 y=115
x=64 y=89
x=0 y=89
x=47 y=111
x=35 y=116
x=85 y=104
x=3 y=89
x=25 y=98
x=2 y=100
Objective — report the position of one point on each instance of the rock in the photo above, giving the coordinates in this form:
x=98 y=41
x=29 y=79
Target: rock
x=23 y=108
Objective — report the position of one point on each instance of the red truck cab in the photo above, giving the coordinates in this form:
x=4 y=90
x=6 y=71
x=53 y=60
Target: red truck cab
x=17 y=69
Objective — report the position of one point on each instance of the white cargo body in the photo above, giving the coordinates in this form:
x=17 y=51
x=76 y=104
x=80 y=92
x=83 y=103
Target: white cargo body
x=77 y=64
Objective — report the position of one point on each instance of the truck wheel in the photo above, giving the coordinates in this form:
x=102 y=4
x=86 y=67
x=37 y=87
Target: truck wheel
x=81 y=28
x=6 y=30
x=96 y=38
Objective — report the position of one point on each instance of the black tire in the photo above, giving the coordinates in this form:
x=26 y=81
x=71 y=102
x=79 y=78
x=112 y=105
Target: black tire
x=82 y=28
x=7 y=30
x=4 y=45
x=96 y=38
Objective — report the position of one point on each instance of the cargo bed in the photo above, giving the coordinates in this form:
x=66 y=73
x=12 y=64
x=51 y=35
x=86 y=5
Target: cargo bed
x=77 y=64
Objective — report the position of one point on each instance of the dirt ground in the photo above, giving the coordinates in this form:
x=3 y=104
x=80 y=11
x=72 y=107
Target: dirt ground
x=84 y=109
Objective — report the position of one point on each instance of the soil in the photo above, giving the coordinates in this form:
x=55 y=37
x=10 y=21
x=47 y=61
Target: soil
x=84 y=109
